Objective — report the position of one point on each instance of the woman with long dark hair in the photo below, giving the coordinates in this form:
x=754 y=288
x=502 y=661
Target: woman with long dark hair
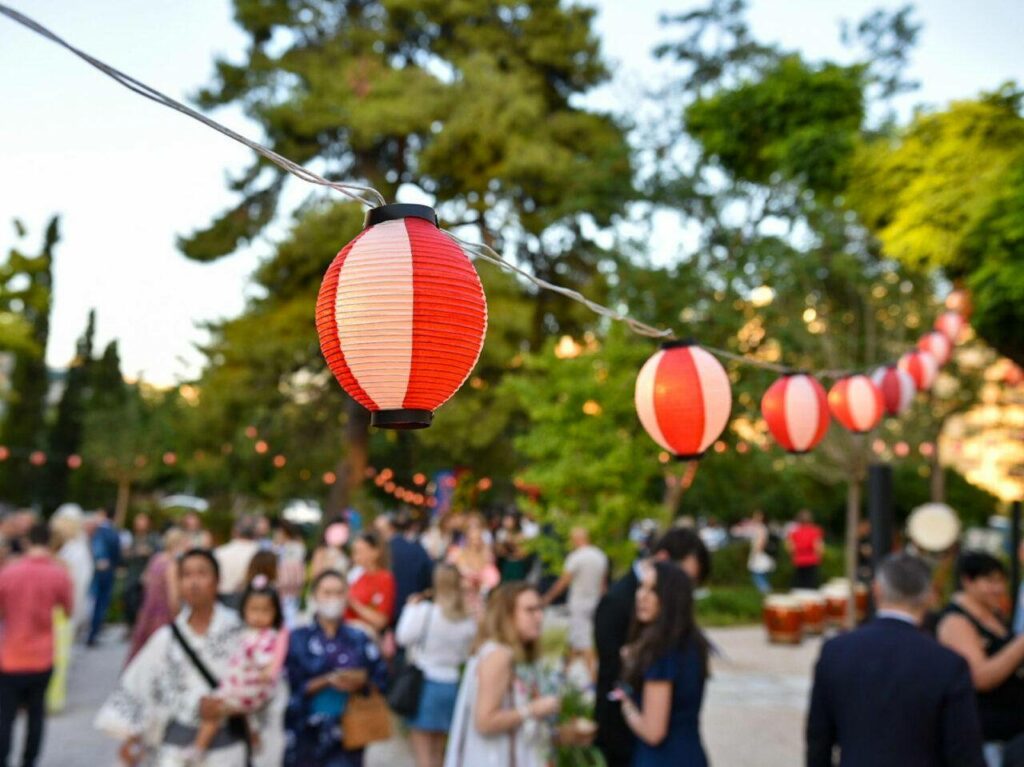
x=664 y=669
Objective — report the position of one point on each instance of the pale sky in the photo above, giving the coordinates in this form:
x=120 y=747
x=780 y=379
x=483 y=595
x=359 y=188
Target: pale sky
x=128 y=176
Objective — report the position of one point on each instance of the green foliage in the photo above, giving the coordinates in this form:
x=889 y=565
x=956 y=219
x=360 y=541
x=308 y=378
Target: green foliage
x=795 y=120
x=730 y=606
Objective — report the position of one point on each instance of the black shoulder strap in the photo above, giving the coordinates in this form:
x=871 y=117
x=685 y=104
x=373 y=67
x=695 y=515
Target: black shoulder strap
x=194 y=658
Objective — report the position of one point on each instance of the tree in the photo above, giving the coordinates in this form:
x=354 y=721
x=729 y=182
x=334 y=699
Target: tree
x=66 y=433
x=26 y=289
x=473 y=102
x=946 y=193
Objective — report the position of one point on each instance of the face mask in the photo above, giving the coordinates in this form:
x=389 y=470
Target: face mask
x=330 y=609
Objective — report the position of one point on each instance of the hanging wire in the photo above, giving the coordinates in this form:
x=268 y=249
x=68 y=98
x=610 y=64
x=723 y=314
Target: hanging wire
x=366 y=195
x=370 y=197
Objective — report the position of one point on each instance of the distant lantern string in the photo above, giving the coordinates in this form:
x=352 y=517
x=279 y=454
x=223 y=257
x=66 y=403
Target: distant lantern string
x=370 y=197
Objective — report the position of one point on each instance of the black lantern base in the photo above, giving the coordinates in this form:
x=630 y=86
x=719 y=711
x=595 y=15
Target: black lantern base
x=401 y=419
x=685 y=458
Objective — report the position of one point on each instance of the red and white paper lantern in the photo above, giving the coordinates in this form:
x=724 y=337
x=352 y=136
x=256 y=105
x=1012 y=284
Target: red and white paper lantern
x=922 y=367
x=897 y=387
x=683 y=397
x=937 y=345
x=401 y=316
x=951 y=325
x=856 y=402
x=796 y=410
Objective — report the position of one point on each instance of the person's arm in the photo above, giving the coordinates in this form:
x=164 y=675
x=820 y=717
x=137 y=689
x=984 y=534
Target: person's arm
x=821 y=727
x=411 y=626
x=280 y=653
x=650 y=723
x=987 y=673
x=558 y=588
x=494 y=676
x=173 y=595
x=960 y=727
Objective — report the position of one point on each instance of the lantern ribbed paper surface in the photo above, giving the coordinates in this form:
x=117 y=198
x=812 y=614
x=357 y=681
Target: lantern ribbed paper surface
x=401 y=316
x=922 y=367
x=951 y=325
x=856 y=403
x=897 y=387
x=796 y=411
x=937 y=345
x=683 y=397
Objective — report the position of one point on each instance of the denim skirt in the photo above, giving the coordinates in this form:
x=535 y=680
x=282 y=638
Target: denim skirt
x=437 y=704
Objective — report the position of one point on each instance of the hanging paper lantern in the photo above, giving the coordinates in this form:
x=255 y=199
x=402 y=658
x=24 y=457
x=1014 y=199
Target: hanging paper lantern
x=683 y=398
x=856 y=402
x=401 y=316
x=796 y=411
x=938 y=345
x=922 y=367
x=897 y=387
x=959 y=301
x=951 y=325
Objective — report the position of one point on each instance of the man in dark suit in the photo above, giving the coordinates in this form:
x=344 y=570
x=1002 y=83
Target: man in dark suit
x=611 y=630
x=887 y=694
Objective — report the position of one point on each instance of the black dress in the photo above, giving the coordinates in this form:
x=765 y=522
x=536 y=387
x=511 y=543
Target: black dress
x=1002 y=708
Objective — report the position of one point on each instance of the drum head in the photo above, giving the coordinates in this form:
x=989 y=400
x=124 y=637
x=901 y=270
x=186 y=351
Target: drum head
x=934 y=527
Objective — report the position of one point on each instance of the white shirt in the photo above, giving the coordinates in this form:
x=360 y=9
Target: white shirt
x=588 y=566
x=233 y=558
x=436 y=645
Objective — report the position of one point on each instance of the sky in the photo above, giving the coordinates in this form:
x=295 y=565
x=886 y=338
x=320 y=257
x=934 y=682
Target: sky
x=128 y=177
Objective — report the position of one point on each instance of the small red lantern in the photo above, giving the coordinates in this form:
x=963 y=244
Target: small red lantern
x=683 y=398
x=401 y=316
x=796 y=410
x=74 y=462
x=959 y=301
x=37 y=458
x=922 y=367
x=170 y=458
x=897 y=387
x=5 y=453
x=857 y=403
x=951 y=325
x=937 y=345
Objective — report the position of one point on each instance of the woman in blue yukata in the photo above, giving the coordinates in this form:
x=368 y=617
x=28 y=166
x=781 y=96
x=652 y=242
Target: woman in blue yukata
x=327 y=661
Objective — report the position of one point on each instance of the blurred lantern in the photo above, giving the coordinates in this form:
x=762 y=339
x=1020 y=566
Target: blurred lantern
x=927 y=449
x=250 y=432
x=280 y=461
x=74 y=462
x=170 y=459
x=485 y=484
x=959 y=301
x=1013 y=375
x=401 y=316
x=902 y=449
x=796 y=411
x=37 y=458
x=389 y=487
x=683 y=398
x=922 y=367
x=857 y=403
x=261 y=447
x=419 y=478
x=5 y=453
x=950 y=324
x=897 y=387
x=936 y=344
x=330 y=477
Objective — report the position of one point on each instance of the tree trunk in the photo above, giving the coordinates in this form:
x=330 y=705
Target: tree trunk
x=938 y=476
x=351 y=469
x=124 y=494
x=853 y=495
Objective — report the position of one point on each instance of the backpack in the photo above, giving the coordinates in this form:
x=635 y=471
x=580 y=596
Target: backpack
x=772 y=545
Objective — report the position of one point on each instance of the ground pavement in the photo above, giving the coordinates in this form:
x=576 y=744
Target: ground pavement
x=753 y=712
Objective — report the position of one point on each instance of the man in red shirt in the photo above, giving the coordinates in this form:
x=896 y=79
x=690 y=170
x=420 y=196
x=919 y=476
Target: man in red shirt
x=806 y=546
x=30 y=588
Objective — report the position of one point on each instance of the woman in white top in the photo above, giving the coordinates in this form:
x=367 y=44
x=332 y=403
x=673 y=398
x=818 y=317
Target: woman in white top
x=499 y=714
x=73 y=550
x=437 y=636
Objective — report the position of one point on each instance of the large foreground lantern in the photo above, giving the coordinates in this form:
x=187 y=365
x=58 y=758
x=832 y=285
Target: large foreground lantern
x=857 y=403
x=897 y=387
x=937 y=345
x=796 y=411
x=683 y=397
x=401 y=316
x=922 y=367
x=951 y=325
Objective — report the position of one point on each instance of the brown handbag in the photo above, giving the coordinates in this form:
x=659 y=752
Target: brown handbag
x=367 y=719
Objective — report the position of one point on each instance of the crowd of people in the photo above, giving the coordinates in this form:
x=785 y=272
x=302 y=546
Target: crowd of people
x=260 y=651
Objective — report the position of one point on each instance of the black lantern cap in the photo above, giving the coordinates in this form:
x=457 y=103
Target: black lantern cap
x=401 y=419
x=397 y=211
x=678 y=344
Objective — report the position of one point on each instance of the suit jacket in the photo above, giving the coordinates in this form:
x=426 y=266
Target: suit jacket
x=611 y=629
x=889 y=695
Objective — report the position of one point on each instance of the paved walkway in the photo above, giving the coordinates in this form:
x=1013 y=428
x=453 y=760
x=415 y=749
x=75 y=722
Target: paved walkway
x=753 y=714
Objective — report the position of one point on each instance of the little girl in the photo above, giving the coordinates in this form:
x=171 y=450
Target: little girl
x=255 y=667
